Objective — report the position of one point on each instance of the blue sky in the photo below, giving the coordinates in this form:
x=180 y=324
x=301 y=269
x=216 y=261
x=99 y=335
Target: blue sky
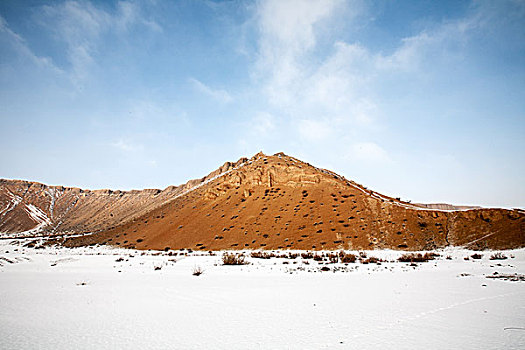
x=419 y=99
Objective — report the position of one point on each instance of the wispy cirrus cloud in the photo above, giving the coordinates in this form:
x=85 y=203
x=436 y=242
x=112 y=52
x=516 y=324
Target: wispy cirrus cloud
x=81 y=26
x=219 y=95
x=21 y=47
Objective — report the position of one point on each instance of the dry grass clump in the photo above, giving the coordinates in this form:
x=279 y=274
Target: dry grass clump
x=233 y=259
x=262 y=255
x=333 y=258
x=284 y=255
x=371 y=260
x=197 y=271
x=498 y=256
x=417 y=257
x=307 y=255
x=347 y=258
x=508 y=277
x=318 y=257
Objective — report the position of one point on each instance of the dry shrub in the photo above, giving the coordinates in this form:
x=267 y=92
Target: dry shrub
x=371 y=260
x=307 y=255
x=263 y=255
x=498 y=256
x=417 y=257
x=333 y=258
x=286 y=255
x=197 y=271
x=476 y=256
x=318 y=257
x=260 y=255
x=347 y=258
x=233 y=259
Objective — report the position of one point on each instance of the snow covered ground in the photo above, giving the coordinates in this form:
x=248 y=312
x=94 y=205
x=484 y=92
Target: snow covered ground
x=100 y=298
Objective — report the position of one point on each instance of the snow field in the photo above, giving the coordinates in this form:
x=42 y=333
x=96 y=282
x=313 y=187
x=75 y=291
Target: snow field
x=57 y=298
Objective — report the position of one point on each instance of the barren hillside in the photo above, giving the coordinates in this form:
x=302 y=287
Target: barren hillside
x=279 y=202
x=30 y=208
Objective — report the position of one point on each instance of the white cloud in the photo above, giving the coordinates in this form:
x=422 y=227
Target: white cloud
x=287 y=33
x=341 y=91
x=217 y=94
x=289 y=24
x=321 y=96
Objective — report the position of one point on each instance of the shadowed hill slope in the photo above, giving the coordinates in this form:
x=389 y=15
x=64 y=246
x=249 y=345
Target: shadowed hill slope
x=279 y=202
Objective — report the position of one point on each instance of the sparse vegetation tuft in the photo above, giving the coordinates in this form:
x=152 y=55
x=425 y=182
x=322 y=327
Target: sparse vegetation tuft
x=307 y=255
x=262 y=255
x=498 y=256
x=417 y=257
x=233 y=259
x=318 y=257
x=197 y=271
x=348 y=258
x=371 y=260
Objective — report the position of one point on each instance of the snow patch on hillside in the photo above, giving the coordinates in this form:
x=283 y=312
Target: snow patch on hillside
x=15 y=200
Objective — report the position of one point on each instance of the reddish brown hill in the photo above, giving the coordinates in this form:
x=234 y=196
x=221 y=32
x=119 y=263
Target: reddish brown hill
x=279 y=202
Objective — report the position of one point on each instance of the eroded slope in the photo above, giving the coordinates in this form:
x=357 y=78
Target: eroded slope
x=279 y=202
x=31 y=209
